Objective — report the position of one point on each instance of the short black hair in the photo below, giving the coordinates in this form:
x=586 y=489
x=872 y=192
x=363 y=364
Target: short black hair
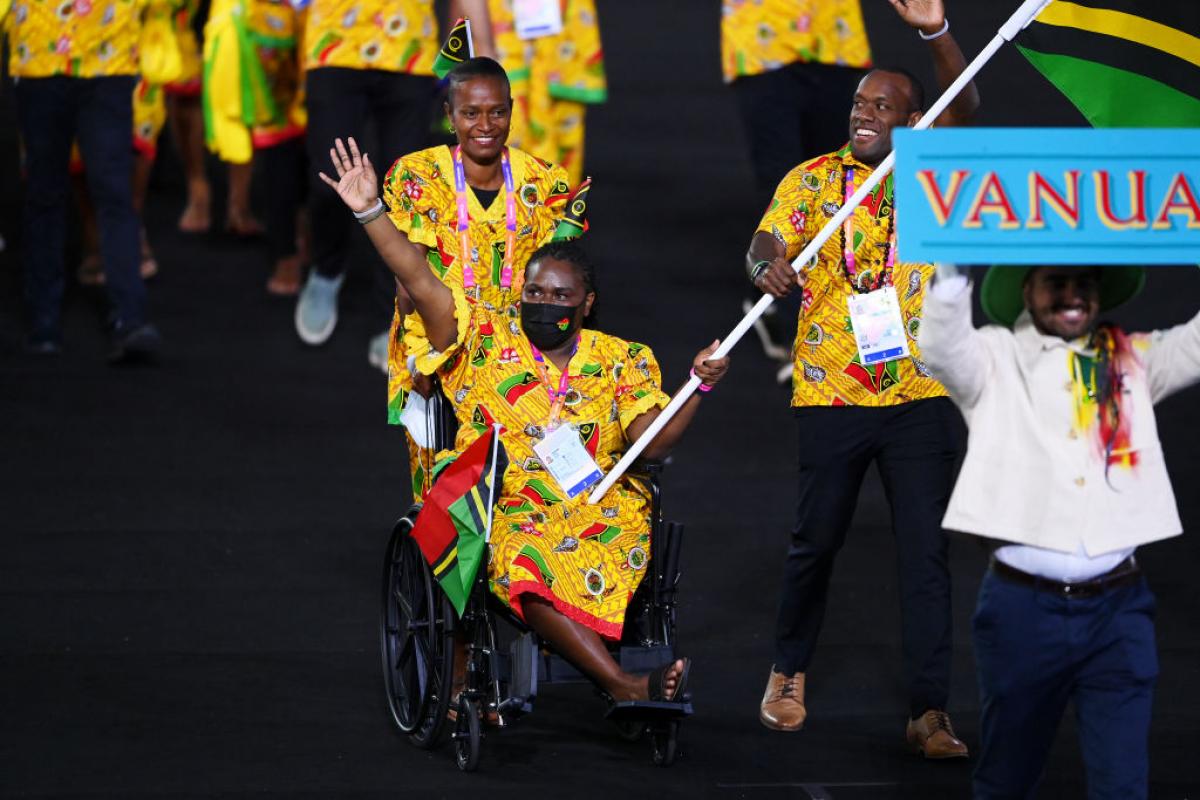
x=472 y=68
x=572 y=252
x=916 y=88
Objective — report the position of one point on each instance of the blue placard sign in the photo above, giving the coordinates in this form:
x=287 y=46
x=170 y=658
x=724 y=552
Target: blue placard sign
x=1048 y=196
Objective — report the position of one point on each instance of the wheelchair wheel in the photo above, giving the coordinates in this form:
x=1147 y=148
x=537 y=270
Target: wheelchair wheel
x=664 y=743
x=467 y=735
x=428 y=733
x=407 y=629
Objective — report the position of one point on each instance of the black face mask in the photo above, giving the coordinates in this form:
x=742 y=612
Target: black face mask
x=548 y=326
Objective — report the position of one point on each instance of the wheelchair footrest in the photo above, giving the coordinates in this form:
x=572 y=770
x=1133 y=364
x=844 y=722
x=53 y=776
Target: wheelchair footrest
x=649 y=711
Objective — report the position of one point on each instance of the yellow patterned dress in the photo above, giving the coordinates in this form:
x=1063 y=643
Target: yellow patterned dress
x=585 y=559
x=419 y=191
x=84 y=39
x=828 y=371
x=182 y=14
x=762 y=35
x=553 y=80
x=394 y=35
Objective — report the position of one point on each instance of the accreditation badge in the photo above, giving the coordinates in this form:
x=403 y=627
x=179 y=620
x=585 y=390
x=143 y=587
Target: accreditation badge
x=567 y=460
x=537 y=18
x=878 y=327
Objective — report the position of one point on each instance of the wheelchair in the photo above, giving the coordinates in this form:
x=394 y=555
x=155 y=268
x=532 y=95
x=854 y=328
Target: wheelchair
x=505 y=661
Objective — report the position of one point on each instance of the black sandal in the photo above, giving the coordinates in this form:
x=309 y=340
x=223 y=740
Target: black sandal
x=659 y=677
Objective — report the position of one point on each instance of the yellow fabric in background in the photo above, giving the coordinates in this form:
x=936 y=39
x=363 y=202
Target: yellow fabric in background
x=761 y=35
x=395 y=35
x=76 y=38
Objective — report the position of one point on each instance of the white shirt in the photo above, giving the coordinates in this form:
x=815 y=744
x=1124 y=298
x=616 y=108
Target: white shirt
x=1029 y=477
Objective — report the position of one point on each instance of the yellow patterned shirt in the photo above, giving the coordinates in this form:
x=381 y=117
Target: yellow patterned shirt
x=762 y=35
x=828 y=371
x=419 y=191
x=395 y=35
x=585 y=559
x=76 y=38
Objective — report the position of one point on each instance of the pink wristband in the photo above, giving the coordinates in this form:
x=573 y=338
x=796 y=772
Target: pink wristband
x=704 y=387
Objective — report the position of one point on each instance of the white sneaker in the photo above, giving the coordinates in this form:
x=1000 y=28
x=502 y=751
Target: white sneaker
x=316 y=310
x=377 y=352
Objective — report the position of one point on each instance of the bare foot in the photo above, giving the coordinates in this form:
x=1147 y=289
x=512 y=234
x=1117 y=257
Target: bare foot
x=240 y=222
x=195 y=217
x=639 y=689
x=285 y=280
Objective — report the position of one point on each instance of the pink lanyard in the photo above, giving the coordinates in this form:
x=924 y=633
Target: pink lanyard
x=848 y=241
x=557 y=398
x=464 y=220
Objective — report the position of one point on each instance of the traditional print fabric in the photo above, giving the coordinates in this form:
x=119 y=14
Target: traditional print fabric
x=761 y=35
x=419 y=191
x=828 y=371
x=75 y=38
x=394 y=35
x=585 y=559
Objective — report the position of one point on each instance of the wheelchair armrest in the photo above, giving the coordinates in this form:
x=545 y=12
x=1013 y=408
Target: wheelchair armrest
x=650 y=467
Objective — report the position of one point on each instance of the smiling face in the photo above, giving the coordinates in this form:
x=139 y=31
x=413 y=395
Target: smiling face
x=883 y=101
x=480 y=110
x=1063 y=301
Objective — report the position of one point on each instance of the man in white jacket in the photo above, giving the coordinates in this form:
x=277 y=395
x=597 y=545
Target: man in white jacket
x=1064 y=467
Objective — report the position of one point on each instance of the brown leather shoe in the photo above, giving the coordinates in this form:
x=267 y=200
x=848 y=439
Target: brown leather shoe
x=932 y=736
x=782 y=706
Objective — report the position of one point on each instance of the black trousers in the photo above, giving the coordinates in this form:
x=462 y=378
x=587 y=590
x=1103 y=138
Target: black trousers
x=792 y=114
x=341 y=102
x=915 y=446
x=98 y=112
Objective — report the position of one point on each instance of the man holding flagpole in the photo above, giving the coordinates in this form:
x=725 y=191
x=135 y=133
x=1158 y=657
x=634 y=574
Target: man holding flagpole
x=861 y=392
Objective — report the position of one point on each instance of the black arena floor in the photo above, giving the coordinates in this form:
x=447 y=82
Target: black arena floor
x=190 y=555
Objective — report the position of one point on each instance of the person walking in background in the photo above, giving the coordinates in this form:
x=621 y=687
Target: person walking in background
x=366 y=61
x=854 y=409
x=81 y=88
x=792 y=64
x=1064 y=468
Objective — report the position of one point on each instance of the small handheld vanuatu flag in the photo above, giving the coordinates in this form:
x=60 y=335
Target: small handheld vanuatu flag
x=457 y=49
x=574 y=222
x=1122 y=63
x=451 y=529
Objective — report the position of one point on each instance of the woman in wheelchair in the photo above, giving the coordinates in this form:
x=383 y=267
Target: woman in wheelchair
x=565 y=567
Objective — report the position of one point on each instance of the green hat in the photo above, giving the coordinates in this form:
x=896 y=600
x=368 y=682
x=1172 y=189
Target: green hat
x=1003 y=298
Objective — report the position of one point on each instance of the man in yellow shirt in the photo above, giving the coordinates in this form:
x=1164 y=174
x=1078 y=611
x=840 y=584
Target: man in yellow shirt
x=75 y=66
x=861 y=401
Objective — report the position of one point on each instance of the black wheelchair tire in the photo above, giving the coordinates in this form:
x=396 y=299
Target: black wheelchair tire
x=664 y=744
x=468 y=743
x=405 y=628
x=429 y=732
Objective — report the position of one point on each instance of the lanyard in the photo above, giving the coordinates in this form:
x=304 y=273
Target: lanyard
x=559 y=397
x=850 y=260
x=464 y=220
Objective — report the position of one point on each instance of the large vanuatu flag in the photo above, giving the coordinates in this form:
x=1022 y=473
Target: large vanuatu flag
x=451 y=528
x=1123 y=63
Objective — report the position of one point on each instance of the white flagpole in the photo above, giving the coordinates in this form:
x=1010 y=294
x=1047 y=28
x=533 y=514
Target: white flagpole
x=1025 y=14
x=470 y=40
x=487 y=533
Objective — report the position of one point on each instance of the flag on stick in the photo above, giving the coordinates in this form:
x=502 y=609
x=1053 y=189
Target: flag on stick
x=452 y=527
x=1122 y=63
x=457 y=49
x=574 y=222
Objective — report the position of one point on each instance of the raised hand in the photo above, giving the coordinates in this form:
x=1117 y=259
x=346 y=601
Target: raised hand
x=926 y=15
x=357 y=184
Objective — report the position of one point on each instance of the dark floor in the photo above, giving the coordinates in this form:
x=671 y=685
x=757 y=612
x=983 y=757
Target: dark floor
x=191 y=554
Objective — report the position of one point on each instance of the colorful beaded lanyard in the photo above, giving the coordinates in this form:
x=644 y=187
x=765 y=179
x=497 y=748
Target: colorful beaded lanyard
x=464 y=220
x=557 y=398
x=849 y=260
